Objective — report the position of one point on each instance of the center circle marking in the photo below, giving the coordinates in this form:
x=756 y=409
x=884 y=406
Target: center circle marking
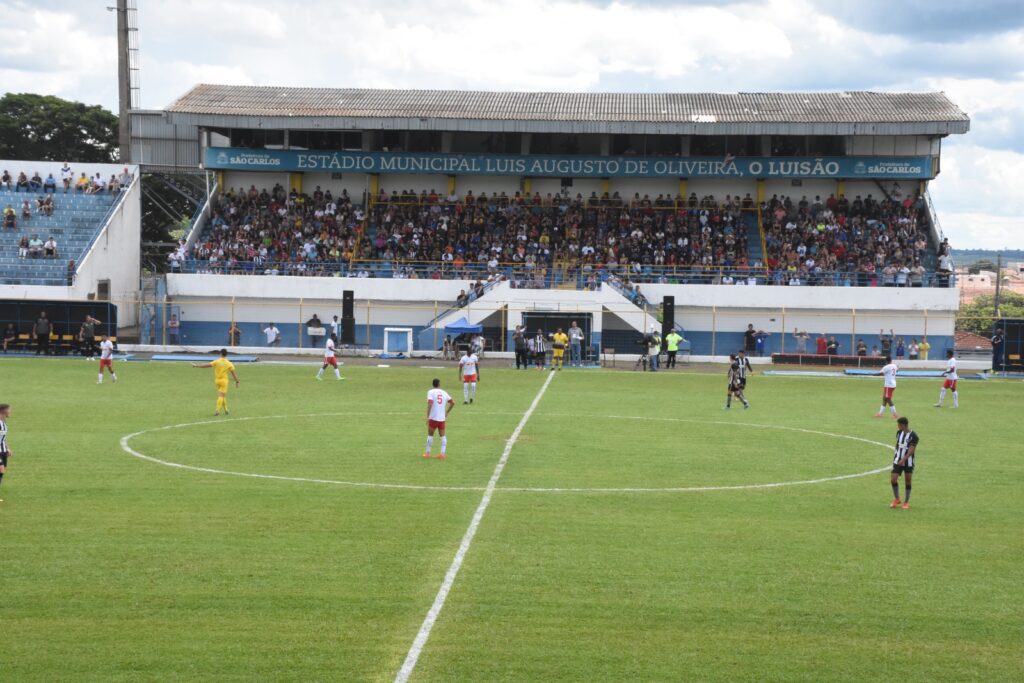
x=126 y=447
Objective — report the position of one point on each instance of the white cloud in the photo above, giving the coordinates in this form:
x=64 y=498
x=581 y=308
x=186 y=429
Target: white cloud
x=69 y=49
x=977 y=196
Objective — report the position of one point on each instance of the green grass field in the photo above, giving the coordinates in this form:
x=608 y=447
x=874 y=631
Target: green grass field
x=116 y=568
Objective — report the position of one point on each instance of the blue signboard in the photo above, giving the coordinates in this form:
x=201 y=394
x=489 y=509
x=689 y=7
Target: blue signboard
x=536 y=165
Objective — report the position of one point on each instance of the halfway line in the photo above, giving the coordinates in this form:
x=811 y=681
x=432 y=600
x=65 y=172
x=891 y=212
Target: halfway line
x=449 y=578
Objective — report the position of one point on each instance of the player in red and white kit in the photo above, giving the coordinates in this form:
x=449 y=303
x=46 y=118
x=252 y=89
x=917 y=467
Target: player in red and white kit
x=439 y=404
x=950 y=383
x=106 y=358
x=330 y=358
x=888 y=387
x=469 y=370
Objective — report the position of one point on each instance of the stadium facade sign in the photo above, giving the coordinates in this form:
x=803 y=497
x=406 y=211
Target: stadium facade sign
x=293 y=160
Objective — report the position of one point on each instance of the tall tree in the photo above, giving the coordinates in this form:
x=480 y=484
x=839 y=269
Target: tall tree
x=48 y=128
x=980 y=315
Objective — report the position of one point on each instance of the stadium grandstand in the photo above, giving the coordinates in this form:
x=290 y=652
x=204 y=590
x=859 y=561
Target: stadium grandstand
x=501 y=204
x=73 y=241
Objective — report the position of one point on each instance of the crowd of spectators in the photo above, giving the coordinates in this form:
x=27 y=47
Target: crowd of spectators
x=521 y=237
x=864 y=242
x=277 y=232
x=527 y=238
x=84 y=184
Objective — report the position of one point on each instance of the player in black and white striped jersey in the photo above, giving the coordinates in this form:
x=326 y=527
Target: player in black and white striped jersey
x=5 y=452
x=903 y=459
x=745 y=368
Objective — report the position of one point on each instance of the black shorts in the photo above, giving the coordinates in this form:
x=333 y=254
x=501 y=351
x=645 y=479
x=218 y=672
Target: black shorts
x=743 y=383
x=3 y=459
x=735 y=388
x=900 y=469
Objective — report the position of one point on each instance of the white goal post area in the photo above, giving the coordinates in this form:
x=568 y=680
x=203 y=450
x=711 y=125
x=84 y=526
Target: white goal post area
x=398 y=340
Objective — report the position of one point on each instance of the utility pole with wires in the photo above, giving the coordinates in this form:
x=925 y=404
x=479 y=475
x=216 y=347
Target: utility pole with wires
x=999 y=282
x=127 y=72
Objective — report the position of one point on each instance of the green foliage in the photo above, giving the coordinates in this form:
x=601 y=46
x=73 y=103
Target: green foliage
x=983 y=264
x=119 y=569
x=979 y=315
x=49 y=128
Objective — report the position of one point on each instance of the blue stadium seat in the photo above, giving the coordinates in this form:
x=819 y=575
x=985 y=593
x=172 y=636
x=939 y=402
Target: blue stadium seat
x=75 y=222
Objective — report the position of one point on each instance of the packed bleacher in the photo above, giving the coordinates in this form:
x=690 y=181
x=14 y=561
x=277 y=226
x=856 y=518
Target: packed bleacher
x=48 y=223
x=529 y=240
x=560 y=240
x=866 y=242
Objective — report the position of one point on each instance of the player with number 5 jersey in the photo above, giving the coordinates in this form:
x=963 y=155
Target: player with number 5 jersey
x=439 y=404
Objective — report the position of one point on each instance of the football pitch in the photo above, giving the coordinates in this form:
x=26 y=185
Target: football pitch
x=637 y=530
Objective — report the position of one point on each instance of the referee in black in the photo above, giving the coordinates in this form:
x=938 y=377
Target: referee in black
x=5 y=452
x=903 y=458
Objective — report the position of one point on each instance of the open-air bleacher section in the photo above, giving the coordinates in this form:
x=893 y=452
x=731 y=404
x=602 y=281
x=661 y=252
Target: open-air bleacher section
x=532 y=241
x=865 y=242
x=42 y=247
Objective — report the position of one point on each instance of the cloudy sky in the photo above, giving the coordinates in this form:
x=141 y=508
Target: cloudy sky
x=974 y=51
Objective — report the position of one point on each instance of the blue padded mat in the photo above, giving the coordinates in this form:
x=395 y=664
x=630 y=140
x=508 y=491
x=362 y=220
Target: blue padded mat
x=203 y=359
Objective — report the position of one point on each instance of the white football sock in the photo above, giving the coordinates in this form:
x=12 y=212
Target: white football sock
x=430 y=443
x=472 y=389
x=444 y=444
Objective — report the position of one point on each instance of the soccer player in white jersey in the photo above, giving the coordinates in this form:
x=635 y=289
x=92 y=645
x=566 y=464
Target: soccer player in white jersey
x=469 y=370
x=106 y=358
x=330 y=358
x=439 y=404
x=950 y=383
x=888 y=371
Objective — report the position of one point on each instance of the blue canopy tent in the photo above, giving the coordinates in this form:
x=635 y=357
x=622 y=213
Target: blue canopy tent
x=462 y=326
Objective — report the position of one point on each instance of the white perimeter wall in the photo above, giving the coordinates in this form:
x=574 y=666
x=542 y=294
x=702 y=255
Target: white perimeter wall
x=861 y=310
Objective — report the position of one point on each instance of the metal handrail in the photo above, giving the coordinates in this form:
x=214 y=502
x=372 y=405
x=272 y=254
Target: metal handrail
x=648 y=274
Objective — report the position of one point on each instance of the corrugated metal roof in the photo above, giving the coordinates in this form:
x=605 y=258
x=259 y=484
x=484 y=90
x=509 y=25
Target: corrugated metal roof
x=830 y=108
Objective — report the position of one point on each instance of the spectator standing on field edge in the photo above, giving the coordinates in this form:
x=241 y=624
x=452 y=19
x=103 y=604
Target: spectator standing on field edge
x=885 y=342
x=801 y=338
x=42 y=329
x=521 y=348
x=822 y=344
x=672 y=340
x=998 y=341
x=750 y=339
x=575 y=345
x=173 y=330
x=759 y=340
x=273 y=335
x=924 y=347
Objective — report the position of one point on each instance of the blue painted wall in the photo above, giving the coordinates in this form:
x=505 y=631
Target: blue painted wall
x=623 y=341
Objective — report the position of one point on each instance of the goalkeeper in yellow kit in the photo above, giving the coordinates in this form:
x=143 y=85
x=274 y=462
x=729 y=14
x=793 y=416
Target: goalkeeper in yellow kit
x=559 y=340
x=222 y=367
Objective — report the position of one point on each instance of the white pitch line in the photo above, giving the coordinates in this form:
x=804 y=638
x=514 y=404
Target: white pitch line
x=517 y=489
x=453 y=571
